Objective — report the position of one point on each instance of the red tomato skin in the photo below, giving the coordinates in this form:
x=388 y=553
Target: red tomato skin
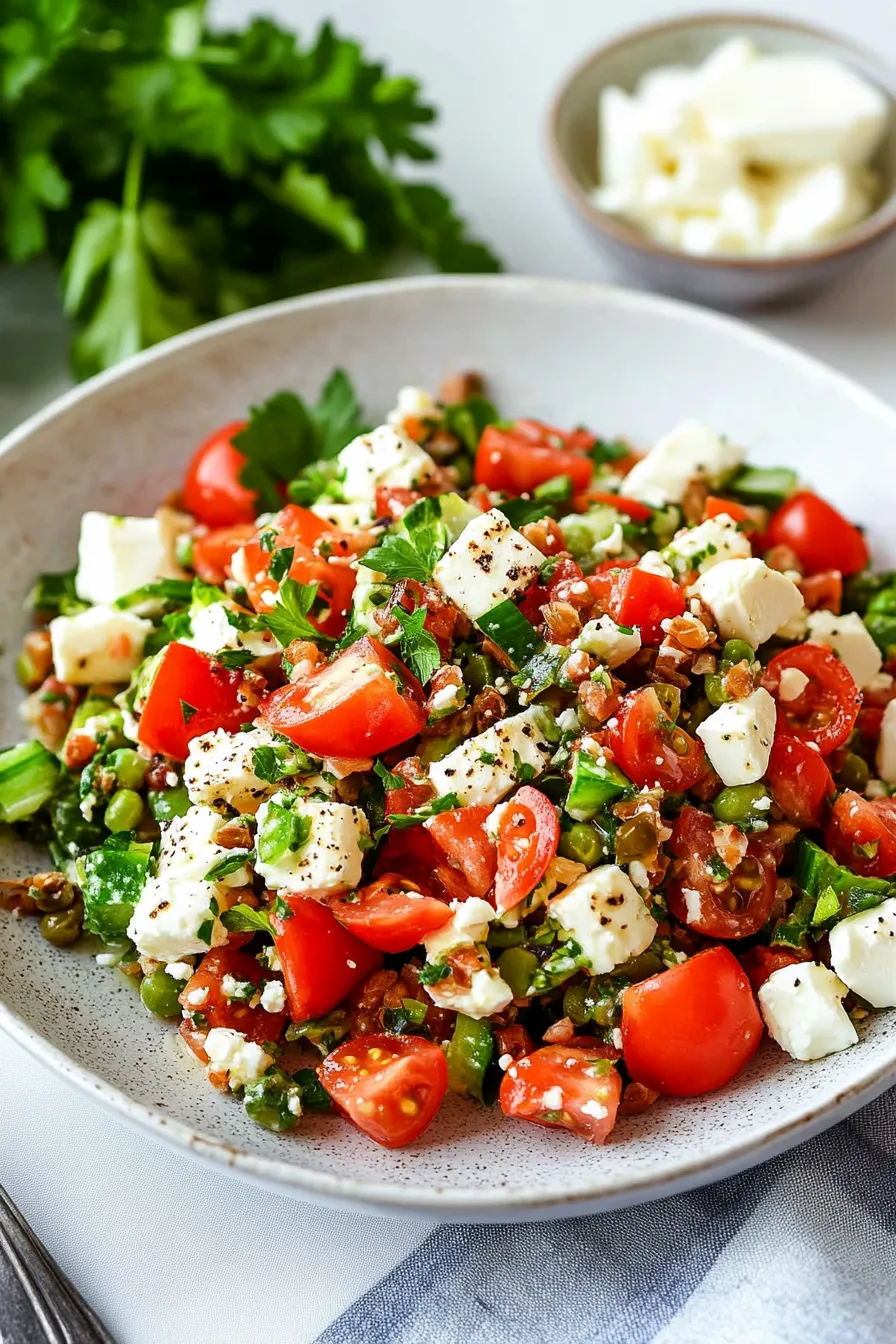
x=341 y=709
x=634 y=596
x=526 y=1081
x=690 y=1030
x=821 y=537
x=799 y=780
x=692 y=844
x=404 y=1064
x=517 y=463
x=387 y=916
x=213 y=491
x=304 y=532
x=322 y=961
x=761 y=962
x=213 y=551
x=532 y=814
x=637 y=745
x=714 y=507
x=461 y=836
x=830 y=683
x=857 y=821
x=257 y=1024
x=186 y=676
x=415 y=856
x=637 y=511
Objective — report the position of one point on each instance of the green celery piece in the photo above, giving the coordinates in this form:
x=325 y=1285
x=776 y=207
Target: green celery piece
x=593 y=785
x=469 y=1054
x=29 y=775
x=112 y=878
x=507 y=627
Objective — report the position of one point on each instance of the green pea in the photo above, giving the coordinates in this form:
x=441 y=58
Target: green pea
x=63 y=927
x=480 y=671
x=124 y=810
x=582 y=843
x=267 y=1101
x=517 y=966
x=636 y=839
x=165 y=804
x=159 y=993
x=736 y=650
x=853 y=772
x=129 y=767
x=742 y=804
x=714 y=689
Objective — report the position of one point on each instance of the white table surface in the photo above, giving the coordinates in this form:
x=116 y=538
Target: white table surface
x=163 y=1247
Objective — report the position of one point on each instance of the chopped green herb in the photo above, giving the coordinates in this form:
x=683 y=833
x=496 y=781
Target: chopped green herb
x=281 y=561
x=188 y=711
x=418 y=647
x=412 y=550
x=447 y=803
x=244 y=919
x=432 y=972
x=288 y=619
x=236 y=859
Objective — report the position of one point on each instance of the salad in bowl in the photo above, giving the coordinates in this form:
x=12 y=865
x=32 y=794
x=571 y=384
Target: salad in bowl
x=467 y=753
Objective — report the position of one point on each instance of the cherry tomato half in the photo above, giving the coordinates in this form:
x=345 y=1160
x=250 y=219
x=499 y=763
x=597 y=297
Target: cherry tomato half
x=322 y=961
x=389 y=1086
x=517 y=460
x=635 y=596
x=191 y=694
x=799 y=780
x=651 y=749
x=862 y=834
x=391 y=914
x=691 y=1029
x=220 y=1011
x=462 y=838
x=528 y=836
x=821 y=537
x=213 y=491
x=826 y=711
x=700 y=894
x=564 y=1087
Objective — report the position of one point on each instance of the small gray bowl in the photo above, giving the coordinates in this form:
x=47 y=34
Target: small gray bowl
x=726 y=282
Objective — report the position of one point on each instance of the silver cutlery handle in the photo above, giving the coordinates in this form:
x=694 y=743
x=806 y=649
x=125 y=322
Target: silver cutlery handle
x=47 y=1309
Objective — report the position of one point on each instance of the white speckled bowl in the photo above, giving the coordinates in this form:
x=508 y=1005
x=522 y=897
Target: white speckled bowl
x=619 y=361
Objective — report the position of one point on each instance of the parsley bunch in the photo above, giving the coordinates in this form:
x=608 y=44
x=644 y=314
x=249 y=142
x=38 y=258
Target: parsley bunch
x=177 y=173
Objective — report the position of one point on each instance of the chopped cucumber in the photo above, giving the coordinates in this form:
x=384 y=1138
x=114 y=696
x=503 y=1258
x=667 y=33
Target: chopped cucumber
x=507 y=627
x=594 y=783
x=456 y=513
x=28 y=778
x=111 y=880
x=770 y=486
x=826 y=881
x=469 y=1054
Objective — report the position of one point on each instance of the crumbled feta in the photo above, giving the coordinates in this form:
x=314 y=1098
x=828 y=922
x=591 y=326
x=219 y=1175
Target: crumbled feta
x=273 y=997
x=792 y=684
x=179 y=970
x=346 y=517
x=482 y=769
x=690 y=452
x=849 y=638
x=229 y=1052
x=487 y=993
x=189 y=850
x=219 y=770
x=613 y=644
x=886 y=746
x=803 y=1010
x=700 y=548
x=415 y=403
x=328 y=860
x=467 y=926
x=738 y=737
x=748 y=600
x=212 y=632
x=169 y=915
x=605 y=913
x=116 y=556
x=489 y=563
x=652 y=562
x=386 y=456
x=99 y=644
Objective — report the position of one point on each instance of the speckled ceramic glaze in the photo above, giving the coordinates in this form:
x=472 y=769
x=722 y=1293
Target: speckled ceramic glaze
x=622 y=362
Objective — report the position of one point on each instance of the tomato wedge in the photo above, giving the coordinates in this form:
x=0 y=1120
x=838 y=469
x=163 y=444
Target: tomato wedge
x=714 y=507
x=826 y=711
x=635 y=596
x=651 y=749
x=213 y=551
x=518 y=459
x=636 y=510
x=691 y=1029
x=564 y=1087
x=862 y=834
x=322 y=961
x=307 y=536
x=191 y=694
x=701 y=896
x=213 y=491
x=362 y=703
x=821 y=537
x=220 y=1011
x=391 y=914
x=799 y=780
x=462 y=838
x=389 y=1086
x=528 y=836
x=416 y=857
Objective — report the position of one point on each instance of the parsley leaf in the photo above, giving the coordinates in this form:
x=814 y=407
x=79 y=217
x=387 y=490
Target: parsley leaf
x=231 y=863
x=433 y=972
x=243 y=919
x=412 y=552
x=418 y=647
x=386 y=777
x=281 y=561
x=279 y=761
x=288 y=618
x=187 y=711
x=402 y=820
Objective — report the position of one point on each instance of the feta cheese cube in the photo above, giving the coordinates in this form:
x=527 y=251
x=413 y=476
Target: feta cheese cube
x=329 y=859
x=219 y=770
x=849 y=638
x=386 y=456
x=118 y=555
x=482 y=769
x=748 y=600
x=99 y=644
x=624 y=153
x=803 y=1010
x=273 y=997
x=211 y=632
x=231 y=1053
x=699 y=548
x=467 y=926
x=613 y=644
x=347 y=517
x=169 y=915
x=188 y=849
x=605 y=913
x=738 y=738
x=413 y=402
x=811 y=206
x=690 y=452
x=863 y=953
x=792 y=684
x=487 y=993
x=886 y=746
x=489 y=562
x=653 y=563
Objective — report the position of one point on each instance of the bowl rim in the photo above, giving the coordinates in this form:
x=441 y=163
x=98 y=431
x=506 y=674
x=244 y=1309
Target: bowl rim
x=868 y=231
x=442 y=1202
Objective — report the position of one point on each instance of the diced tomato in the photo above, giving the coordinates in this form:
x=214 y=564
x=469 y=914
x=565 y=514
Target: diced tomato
x=714 y=507
x=393 y=501
x=416 y=789
x=564 y=1087
x=637 y=597
x=220 y=1011
x=701 y=896
x=821 y=537
x=321 y=555
x=761 y=962
x=517 y=460
x=862 y=834
x=826 y=711
x=564 y=574
x=800 y=781
x=322 y=961
x=650 y=748
x=213 y=491
x=213 y=552
x=414 y=854
x=823 y=591
x=536 y=431
x=389 y=1086
x=528 y=836
x=191 y=694
x=634 y=508
x=691 y=1029
x=364 y=702
x=462 y=838
x=391 y=913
